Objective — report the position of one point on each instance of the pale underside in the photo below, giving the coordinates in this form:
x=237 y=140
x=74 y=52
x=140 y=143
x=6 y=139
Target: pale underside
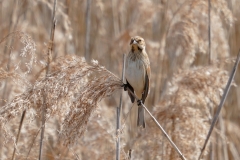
x=135 y=75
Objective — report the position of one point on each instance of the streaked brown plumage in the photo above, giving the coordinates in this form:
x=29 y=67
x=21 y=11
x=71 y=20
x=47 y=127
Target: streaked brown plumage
x=138 y=74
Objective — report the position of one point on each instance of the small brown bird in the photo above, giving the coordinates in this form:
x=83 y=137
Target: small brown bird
x=138 y=74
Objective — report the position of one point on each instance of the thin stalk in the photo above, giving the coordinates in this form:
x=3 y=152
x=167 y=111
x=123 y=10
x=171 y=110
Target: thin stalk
x=219 y=148
x=19 y=130
x=1 y=12
x=234 y=151
x=115 y=18
x=209 y=32
x=227 y=88
x=212 y=147
x=223 y=132
x=212 y=155
x=88 y=28
x=13 y=26
x=31 y=146
x=160 y=127
x=119 y=109
x=44 y=106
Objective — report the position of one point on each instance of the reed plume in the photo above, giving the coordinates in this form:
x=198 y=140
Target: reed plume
x=186 y=109
x=73 y=90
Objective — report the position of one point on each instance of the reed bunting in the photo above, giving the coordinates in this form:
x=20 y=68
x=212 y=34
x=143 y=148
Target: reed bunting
x=138 y=74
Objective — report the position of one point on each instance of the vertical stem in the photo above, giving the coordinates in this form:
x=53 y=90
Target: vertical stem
x=12 y=27
x=19 y=130
x=115 y=18
x=212 y=147
x=212 y=151
x=1 y=8
x=88 y=28
x=159 y=72
x=219 y=148
x=1 y=38
x=44 y=106
x=209 y=32
x=222 y=131
x=43 y=127
x=119 y=108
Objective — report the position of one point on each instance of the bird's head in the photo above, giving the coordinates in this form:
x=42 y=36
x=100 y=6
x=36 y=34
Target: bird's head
x=137 y=44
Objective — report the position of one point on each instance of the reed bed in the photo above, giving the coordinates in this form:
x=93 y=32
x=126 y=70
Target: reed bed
x=190 y=62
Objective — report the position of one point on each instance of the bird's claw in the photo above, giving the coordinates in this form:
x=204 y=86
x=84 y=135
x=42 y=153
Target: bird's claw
x=125 y=87
x=139 y=102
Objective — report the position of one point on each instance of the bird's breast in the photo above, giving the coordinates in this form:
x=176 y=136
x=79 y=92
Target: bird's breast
x=135 y=75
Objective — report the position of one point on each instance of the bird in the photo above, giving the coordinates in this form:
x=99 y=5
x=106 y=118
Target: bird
x=137 y=75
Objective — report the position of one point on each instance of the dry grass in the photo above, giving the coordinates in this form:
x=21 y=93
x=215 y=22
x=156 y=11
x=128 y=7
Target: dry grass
x=186 y=110
x=185 y=89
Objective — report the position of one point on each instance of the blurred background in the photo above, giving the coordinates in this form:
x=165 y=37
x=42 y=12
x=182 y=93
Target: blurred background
x=189 y=73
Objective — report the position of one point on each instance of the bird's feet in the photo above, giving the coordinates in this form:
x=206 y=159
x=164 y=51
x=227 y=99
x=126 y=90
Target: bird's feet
x=125 y=86
x=139 y=102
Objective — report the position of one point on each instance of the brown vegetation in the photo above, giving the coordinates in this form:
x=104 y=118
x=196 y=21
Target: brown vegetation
x=186 y=83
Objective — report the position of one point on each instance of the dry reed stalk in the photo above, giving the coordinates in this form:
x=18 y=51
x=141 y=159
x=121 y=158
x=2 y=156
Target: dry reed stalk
x=119 y=110
x=233 y=139
x=88 y=28
x=16 y=75
x=18 y=134
x=49 y=58
x=209 y=33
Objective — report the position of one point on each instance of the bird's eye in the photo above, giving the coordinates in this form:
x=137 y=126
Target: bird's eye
x=139 y=41
x=131 y=41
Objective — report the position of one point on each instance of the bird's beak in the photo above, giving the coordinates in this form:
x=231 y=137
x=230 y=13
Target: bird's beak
x=134 y=42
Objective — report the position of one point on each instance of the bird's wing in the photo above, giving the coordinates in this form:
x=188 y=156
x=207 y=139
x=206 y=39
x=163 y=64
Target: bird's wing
x=146 y=87
x=130 y=95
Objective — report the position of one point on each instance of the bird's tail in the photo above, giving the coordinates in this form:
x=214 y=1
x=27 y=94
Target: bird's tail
x=141 y=118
